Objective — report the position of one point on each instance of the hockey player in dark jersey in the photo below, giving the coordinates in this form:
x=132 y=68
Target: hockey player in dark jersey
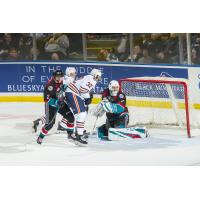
x=114 y=104
x=52 y=102
x=117 y=116
x=67 y=122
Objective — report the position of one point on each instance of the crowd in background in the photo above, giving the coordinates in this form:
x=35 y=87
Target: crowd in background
x=152 y=48
x=147 y=48
x=19 y=46
x=15 y=46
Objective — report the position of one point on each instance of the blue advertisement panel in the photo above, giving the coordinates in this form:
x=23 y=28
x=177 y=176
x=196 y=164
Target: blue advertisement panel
x=32 y=76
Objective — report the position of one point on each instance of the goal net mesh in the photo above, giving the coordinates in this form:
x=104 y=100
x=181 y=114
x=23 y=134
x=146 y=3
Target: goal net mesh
x=157 y=101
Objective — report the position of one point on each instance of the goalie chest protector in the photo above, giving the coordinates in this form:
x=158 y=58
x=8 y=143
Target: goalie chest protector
x=120 y=98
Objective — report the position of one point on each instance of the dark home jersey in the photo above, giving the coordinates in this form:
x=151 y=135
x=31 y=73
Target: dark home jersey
x=52 y=89
x=119 y=99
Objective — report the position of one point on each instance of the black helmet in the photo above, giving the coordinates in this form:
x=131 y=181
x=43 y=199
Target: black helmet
x=58 y=72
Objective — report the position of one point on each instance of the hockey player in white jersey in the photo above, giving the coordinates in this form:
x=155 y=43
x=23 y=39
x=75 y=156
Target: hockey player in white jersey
x=77 y=97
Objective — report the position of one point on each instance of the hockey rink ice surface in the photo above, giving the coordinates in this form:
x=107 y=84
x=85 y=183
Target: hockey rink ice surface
x=18 y=144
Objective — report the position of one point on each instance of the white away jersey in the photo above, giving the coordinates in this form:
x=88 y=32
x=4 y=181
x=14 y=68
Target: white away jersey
x=82 y=87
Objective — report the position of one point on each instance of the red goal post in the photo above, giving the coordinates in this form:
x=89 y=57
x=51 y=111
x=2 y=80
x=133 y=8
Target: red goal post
x=161 y=80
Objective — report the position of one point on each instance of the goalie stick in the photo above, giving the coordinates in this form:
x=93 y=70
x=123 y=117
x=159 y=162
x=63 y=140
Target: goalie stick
x=94 y=126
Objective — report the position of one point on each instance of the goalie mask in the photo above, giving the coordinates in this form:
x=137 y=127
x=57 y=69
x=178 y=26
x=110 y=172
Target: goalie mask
x=70 y=72
x=96 y=73
x=113 y=88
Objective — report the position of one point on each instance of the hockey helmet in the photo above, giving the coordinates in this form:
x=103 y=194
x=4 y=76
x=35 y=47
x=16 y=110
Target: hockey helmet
x=96 y=73
x=58 y=75
x=71 y=72
x=58 y=72
x=113 y=87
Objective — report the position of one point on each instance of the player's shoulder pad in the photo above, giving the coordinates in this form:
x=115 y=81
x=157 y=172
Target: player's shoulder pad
x=121 y=95
x=50 y=88
x=50 y=84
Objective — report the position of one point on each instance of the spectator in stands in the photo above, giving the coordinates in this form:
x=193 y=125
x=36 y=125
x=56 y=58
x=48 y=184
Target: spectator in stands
x=145 y=40
x=111 y=56
x=36 y=52
x=13 y=54
x=25 y=45
x=137 y=54
x=196 y=43
x=42 y=39
x=171 y=48
x=6 y=45
x=59 y=43
x=123 y=58
x=161 y=58
x=146 y=59
x=102 y=55
x=55 y=56
x=194 y=58
x=154 y=45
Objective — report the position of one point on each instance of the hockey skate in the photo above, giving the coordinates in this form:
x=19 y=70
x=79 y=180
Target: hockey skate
x=106 y=138
x=86 y=134
x=81 y=140
x=39 y=140
x=71 y=136
x=103 y=133
x=60 y=129
x=35 y=124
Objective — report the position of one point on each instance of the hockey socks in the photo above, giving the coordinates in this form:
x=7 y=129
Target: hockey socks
x=43 y=133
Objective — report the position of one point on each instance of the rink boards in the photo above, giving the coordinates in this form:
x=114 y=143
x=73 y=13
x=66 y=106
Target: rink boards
x=24 y=81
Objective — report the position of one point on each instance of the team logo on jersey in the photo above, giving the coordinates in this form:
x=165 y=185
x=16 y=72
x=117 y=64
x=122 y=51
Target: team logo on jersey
x=50 y=88
x=121 y=96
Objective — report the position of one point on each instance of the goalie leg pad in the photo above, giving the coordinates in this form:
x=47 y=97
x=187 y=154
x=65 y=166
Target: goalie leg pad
x=128 y=133
x=102 y=132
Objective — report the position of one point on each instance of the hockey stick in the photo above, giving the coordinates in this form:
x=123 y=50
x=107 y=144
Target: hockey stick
x=94 y=126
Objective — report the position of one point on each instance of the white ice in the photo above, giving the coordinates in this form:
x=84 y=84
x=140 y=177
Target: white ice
x=18 y=146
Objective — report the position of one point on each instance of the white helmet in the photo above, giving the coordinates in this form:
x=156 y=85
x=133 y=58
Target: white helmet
x=96 y=73
x=113 y=88
x=71 y=72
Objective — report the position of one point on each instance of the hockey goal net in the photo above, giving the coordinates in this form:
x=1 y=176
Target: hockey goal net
x=157 y=101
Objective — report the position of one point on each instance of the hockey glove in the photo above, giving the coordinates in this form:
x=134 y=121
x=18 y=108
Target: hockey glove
x=88 y=101
x=54 y=102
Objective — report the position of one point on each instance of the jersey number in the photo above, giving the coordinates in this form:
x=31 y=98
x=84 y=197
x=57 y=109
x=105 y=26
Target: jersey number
x=89 y=84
